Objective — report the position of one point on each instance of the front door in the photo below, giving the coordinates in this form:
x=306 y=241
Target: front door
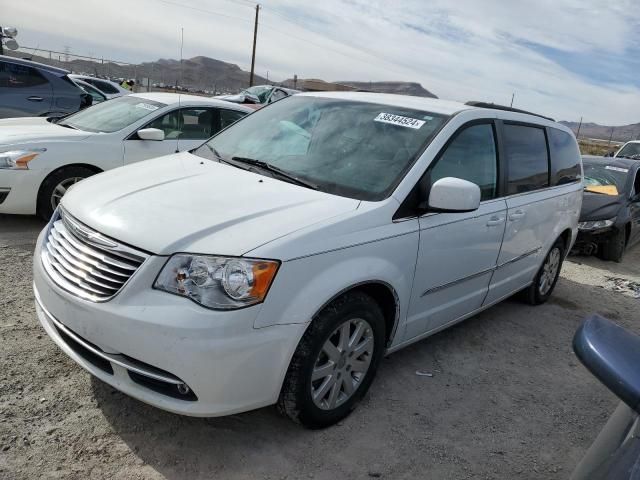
x=458 y=251
x=184 y=129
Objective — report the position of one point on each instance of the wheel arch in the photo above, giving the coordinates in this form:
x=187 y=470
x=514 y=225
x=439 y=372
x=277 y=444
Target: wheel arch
x=566 y=238
x=70 y=165
x=384 y=295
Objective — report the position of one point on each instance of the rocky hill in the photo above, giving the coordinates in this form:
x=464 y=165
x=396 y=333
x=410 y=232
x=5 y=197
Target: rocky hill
x=402 y=88
x=622 y=133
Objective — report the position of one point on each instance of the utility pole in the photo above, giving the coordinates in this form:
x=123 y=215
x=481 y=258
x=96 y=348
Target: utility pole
x=181 y=47
x=255 y=38
x=579 y=126
x=610 y=137
x=513 y=95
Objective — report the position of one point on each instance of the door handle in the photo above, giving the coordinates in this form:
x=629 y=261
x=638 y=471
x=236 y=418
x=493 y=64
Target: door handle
x=493 y=221
x=518 y=214
x=35 y=99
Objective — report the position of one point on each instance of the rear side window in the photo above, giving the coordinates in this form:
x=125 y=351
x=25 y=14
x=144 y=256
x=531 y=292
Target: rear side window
x=471 y=156
x=103 y=86
x=13 y=75
x=526 y=155
x=227 y=117
x=565 y=157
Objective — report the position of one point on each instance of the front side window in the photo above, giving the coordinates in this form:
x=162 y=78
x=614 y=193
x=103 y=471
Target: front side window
x=355 y=149
x=186 y=124
x=565 y=157
x=114 y=115
x=526 y=154
x=471 y=156
x=13 y=75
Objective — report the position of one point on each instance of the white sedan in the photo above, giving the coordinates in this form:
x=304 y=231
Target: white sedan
x=41 y=158
x=107 y=87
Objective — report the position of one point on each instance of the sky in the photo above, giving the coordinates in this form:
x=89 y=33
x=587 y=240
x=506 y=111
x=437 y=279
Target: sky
x=564 y=58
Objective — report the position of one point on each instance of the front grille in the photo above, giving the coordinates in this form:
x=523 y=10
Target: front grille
x=85 y=262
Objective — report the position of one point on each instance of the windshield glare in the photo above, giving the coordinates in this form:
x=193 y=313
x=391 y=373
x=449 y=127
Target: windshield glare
x=355 y=149
x=630 y=150
x=114 y=115
x=600 y=175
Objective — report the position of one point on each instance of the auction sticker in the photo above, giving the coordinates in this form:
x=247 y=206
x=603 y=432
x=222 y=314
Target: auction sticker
x=617 y=169
x=399 y=120
x=147 y=106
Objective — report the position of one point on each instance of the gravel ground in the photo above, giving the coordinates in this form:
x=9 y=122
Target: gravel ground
x=507 y=399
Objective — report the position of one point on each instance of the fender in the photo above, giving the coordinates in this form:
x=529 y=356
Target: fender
x=390 y=261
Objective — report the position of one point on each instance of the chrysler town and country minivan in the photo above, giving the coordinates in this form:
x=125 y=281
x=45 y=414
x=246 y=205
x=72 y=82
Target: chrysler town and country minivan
x=281 y=260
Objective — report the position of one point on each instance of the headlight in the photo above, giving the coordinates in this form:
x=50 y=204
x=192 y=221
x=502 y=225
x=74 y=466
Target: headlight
x=19 y=159
x=596 y=224
x=218 y=282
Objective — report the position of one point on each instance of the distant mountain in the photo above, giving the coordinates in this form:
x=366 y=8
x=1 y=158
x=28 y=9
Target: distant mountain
x=622 y=133
x=204 y=73
x=198 y=73
x=401 y=88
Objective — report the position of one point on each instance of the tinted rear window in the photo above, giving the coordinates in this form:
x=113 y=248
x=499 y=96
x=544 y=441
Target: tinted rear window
x=103 y=86
x=526 y=153
x=565 y=157
x=13 y=75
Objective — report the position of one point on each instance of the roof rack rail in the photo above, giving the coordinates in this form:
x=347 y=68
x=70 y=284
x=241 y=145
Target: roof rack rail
x=495 y=106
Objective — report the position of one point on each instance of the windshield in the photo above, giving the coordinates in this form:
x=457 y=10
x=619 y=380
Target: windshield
x=602 y=178
x=630 y=150
x=113 y=115
x=355 y=149
x=261 y=92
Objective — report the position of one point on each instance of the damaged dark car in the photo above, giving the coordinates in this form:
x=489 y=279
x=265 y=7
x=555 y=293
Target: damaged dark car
x=610 y=217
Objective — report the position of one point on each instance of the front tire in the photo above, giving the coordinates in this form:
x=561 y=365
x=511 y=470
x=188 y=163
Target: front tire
x=544 y=283
x=335 y=362
x=614 y=248
x=55 y=186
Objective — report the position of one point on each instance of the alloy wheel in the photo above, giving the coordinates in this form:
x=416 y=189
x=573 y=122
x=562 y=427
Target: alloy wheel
x=342 y=364
x=549 y=271
x=61 y=189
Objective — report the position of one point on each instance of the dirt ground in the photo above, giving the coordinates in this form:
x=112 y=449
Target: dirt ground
x=508 y=399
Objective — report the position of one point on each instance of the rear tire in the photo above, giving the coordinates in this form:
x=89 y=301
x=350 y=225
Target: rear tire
x=335 y=362
x=613 y=249
x=54 y=187
x=547 y=277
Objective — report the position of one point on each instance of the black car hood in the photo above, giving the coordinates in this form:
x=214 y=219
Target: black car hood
x=598 y=206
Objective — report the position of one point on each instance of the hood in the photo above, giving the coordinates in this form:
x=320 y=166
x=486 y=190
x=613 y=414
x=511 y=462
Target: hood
x=597 y=206
x=35 y=129
x=184 y=203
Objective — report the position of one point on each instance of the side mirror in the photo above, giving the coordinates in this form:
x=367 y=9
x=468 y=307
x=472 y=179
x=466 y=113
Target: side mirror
x=452 y=194
x=151 y=134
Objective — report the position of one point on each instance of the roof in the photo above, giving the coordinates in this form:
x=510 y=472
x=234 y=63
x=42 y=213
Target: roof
x=170 y=98
x=435 y=105
x=628 y=163
x=29 y=63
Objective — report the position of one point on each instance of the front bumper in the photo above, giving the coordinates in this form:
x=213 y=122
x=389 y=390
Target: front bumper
x=588 y=241
x=21 y=187
x=228 y=365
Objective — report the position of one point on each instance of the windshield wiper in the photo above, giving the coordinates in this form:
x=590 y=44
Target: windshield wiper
x=66 y=125
x=278 y=171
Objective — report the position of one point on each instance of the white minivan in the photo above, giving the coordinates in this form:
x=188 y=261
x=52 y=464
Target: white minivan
x=281 y=260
